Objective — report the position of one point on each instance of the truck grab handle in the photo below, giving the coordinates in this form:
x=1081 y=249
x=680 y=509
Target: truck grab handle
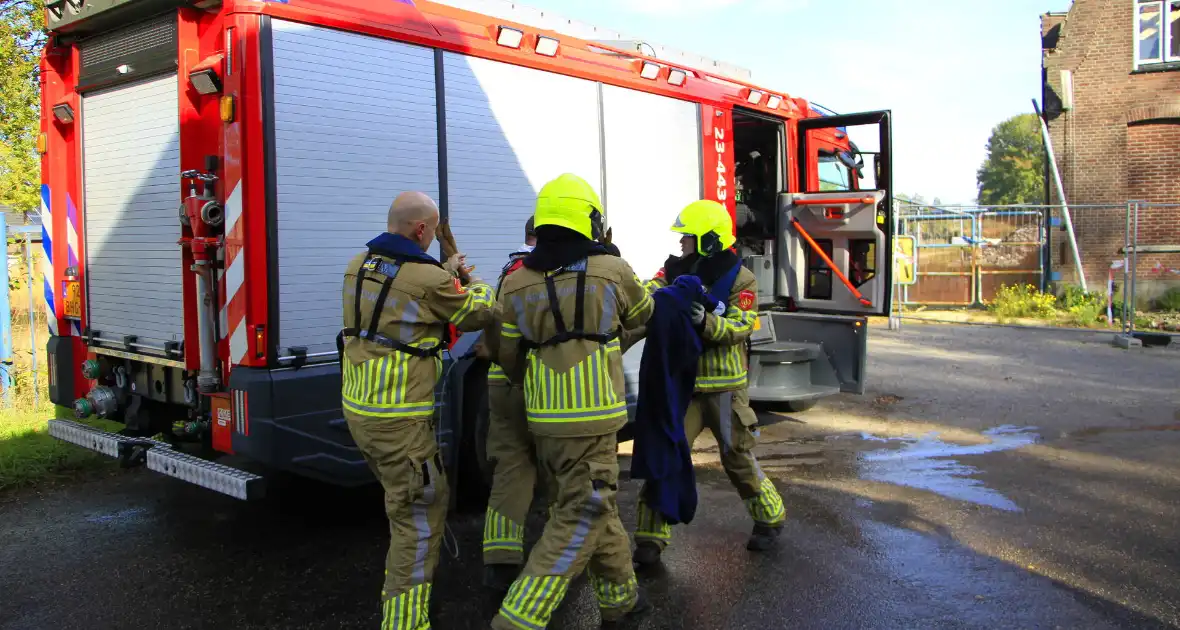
x=828 y=261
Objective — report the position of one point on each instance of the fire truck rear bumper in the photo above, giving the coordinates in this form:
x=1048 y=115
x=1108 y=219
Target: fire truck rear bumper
x=160 y=457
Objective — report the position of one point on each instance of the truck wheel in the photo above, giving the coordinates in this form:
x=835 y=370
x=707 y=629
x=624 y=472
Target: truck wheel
x=474 y=480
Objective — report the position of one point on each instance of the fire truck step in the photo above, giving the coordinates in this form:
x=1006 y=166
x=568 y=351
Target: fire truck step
x=161 y=458
x=211 y=475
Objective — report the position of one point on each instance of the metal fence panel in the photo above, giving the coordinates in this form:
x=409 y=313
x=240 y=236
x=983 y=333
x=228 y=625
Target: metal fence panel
x=941 y=240
x=967 y=253
x=23 y=319
x=1010 y=250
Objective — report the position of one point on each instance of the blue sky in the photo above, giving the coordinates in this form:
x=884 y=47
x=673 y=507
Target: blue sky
x=949 y=69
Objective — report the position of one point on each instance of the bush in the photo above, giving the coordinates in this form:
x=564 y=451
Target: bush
x=1022 y=300
x=1073 y=295
x=1084 y=315
x=1082 y=308
x=1169 y=301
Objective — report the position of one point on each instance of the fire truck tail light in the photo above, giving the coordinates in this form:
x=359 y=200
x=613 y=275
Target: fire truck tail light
x=227 y=109
x=755 y=97
x=774 y=101
x=650 y=71
x=547 y=46
x=63 y=113
x=260 y=342
x=509 y=37
x=677 y=77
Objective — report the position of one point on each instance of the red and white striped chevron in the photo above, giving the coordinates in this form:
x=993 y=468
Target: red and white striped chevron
x=233 y=313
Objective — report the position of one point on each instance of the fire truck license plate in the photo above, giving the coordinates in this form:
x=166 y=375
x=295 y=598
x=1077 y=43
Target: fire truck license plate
x=73 y=293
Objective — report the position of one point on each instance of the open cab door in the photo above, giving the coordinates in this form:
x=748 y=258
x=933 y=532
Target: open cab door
x=836 y=235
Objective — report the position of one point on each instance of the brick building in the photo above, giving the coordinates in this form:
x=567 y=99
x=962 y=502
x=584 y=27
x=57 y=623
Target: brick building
x=1111 y=82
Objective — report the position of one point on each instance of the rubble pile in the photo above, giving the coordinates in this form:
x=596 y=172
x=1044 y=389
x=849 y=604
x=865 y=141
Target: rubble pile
x=1013 y=256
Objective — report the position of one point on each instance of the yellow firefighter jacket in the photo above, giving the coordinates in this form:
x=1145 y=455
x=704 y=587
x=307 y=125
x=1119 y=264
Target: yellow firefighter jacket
x=560 y=339
x=491 y=335
x=395 y=327
x=723 y=365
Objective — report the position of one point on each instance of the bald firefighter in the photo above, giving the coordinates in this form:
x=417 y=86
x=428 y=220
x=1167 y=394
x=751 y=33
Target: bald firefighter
x=398 y=305
x=720 y=401
x=562 y=313
x=510 y=451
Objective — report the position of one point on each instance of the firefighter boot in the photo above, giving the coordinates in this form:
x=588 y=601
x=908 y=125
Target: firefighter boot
x=764 y=537
x=647 y=553
x=642 y=607
x=499 y=577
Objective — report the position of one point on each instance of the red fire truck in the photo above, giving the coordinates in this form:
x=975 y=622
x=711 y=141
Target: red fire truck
x=209 y=167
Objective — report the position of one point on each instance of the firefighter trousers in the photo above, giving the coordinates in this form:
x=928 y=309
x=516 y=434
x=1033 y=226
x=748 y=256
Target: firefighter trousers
x=729 y=417
x=514 y=475
x=584 y=532
x=404 y=456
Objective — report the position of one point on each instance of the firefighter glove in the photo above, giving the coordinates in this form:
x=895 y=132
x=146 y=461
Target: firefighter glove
x=698 y=314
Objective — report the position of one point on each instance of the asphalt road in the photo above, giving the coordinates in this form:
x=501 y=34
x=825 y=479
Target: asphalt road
x=990 y=478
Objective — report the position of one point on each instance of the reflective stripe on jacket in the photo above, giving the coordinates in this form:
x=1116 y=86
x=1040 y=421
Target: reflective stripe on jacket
x=491 y=335
x=724 y=365
x=382 y=381
x=574 y=387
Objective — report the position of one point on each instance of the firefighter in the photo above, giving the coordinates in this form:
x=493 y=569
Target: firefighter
x=398 y=303
x=562 y=313
x=720 y=401
x=510 y=451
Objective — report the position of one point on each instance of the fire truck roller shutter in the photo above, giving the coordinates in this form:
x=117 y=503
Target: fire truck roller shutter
x=349 y=137
x=653 y=170
x=131 y=193
x=510 y=130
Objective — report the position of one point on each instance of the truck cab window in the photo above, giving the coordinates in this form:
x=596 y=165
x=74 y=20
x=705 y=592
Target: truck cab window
x=862 y=261
x=833 y=176
x=819 y=275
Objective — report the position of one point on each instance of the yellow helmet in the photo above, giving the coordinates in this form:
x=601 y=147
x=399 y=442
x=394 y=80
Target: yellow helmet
x=570 y=202
x=710 y=222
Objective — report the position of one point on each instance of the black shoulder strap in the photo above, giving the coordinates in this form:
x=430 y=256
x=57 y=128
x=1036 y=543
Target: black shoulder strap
x=360 y=282
x=370 y=333
x=580 y=303
x=375 y=318
x=554 y=306
x=562 y=333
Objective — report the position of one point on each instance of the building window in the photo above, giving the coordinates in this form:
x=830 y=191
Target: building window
x=1157 y=32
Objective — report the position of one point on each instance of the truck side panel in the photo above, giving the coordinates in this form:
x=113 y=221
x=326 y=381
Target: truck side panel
x=509 y=130
x=349 y=137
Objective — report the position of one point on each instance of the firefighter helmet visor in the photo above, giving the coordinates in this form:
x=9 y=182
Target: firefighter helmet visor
x=710 y=223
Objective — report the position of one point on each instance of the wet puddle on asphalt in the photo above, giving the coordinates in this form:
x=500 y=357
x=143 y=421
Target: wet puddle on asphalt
x=120 y=517
x=927 y=463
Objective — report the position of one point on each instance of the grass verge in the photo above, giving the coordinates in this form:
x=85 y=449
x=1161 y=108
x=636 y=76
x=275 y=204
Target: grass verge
x=30 y=457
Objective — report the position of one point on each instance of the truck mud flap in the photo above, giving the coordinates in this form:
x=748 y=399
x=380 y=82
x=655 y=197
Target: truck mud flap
x=160 y=457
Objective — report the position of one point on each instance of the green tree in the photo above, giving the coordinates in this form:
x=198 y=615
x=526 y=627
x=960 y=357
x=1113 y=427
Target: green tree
x=22 y=24
x=1015 y=166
